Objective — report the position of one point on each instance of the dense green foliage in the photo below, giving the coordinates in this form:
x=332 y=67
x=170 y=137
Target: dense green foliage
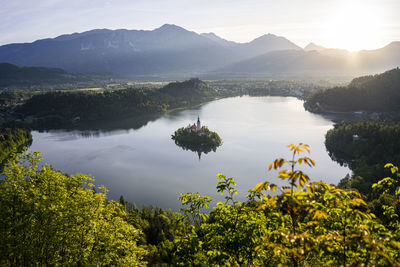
x=307 y=224
x=376 y=144
x=60 y=108
x=204 y=142
x=12 y=140
x=192 y=90
x=159 y=228
x=370 y=93
x=48 y=219
x=8 y=97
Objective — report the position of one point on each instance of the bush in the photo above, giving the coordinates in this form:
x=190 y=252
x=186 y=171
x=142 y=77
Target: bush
x=48 y=218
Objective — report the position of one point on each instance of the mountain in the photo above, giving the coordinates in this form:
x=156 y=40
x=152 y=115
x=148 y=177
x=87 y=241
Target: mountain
x=287 y=62
x=321 y=62
x=14 y=75
x=173 y=52
x=128 y=52
x=169 y=49
x=212 y=36
x=312 y=47
x=371 y=93
x=267 y=43
x=387 y=57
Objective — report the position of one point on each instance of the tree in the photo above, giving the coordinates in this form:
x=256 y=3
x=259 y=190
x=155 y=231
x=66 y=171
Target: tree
x=48 y=218
x=307 y=224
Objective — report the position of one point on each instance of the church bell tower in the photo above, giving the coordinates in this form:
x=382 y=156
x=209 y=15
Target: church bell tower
x=198 y=124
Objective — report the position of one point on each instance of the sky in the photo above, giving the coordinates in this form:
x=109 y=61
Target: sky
x=346 y=24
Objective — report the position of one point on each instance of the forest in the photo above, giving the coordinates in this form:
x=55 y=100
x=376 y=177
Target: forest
x=301 y=224
x=13 y=140
x=366 y=146
x=185 y=137
x=56 y=109
x=378 y=93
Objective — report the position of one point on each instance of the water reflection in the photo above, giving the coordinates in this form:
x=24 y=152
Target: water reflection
x=138 y=159
x=98 y=129
x=196 y=148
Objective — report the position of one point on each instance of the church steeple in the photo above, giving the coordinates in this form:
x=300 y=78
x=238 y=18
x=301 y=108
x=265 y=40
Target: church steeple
x=198 y=124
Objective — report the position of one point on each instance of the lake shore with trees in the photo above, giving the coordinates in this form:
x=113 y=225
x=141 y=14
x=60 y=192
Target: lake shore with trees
x=260 y=230
x=305 y=223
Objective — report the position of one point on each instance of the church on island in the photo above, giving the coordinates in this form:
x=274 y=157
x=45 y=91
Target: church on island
x=196 y=128
x=197 y=138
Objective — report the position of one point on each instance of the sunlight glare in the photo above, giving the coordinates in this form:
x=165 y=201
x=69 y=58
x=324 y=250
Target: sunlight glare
x=354 y=26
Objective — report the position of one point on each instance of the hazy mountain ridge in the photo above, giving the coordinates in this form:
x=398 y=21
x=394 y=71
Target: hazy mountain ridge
x=312 y=46
x=322 y=61
x=172 y=50
x=212 y=36
x=168 y=49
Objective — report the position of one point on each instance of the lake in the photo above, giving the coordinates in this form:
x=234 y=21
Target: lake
x=145 y=166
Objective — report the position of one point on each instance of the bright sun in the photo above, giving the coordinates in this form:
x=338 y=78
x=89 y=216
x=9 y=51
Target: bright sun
x=354 y=26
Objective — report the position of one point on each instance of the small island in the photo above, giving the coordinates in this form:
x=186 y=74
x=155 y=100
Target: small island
x=197 y=138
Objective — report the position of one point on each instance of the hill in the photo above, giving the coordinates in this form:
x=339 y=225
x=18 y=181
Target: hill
x=190 y=88
x=15 y=75
x=61 y=109
x=370 y=93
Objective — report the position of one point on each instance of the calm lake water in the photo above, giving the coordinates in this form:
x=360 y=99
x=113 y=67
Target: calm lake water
x=146 y=167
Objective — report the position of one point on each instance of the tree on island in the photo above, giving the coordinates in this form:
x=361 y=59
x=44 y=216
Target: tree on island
x=197 y=138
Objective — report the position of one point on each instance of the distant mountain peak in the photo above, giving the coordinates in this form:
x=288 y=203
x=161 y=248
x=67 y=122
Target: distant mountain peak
x=169 y=27
x=314 y=47
x=274 y=42
x=270 y=35
x=212 y=36
x=267 y=37
x=80 y=34
x=393 y=44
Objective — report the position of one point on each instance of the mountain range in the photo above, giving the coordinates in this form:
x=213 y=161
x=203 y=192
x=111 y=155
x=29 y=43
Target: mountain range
x=173 y=51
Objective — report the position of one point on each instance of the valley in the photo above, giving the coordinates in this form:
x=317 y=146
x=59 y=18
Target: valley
x=208 y=140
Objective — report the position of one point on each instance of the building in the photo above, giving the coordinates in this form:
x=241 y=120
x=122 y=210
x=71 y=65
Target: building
x=198 y=128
